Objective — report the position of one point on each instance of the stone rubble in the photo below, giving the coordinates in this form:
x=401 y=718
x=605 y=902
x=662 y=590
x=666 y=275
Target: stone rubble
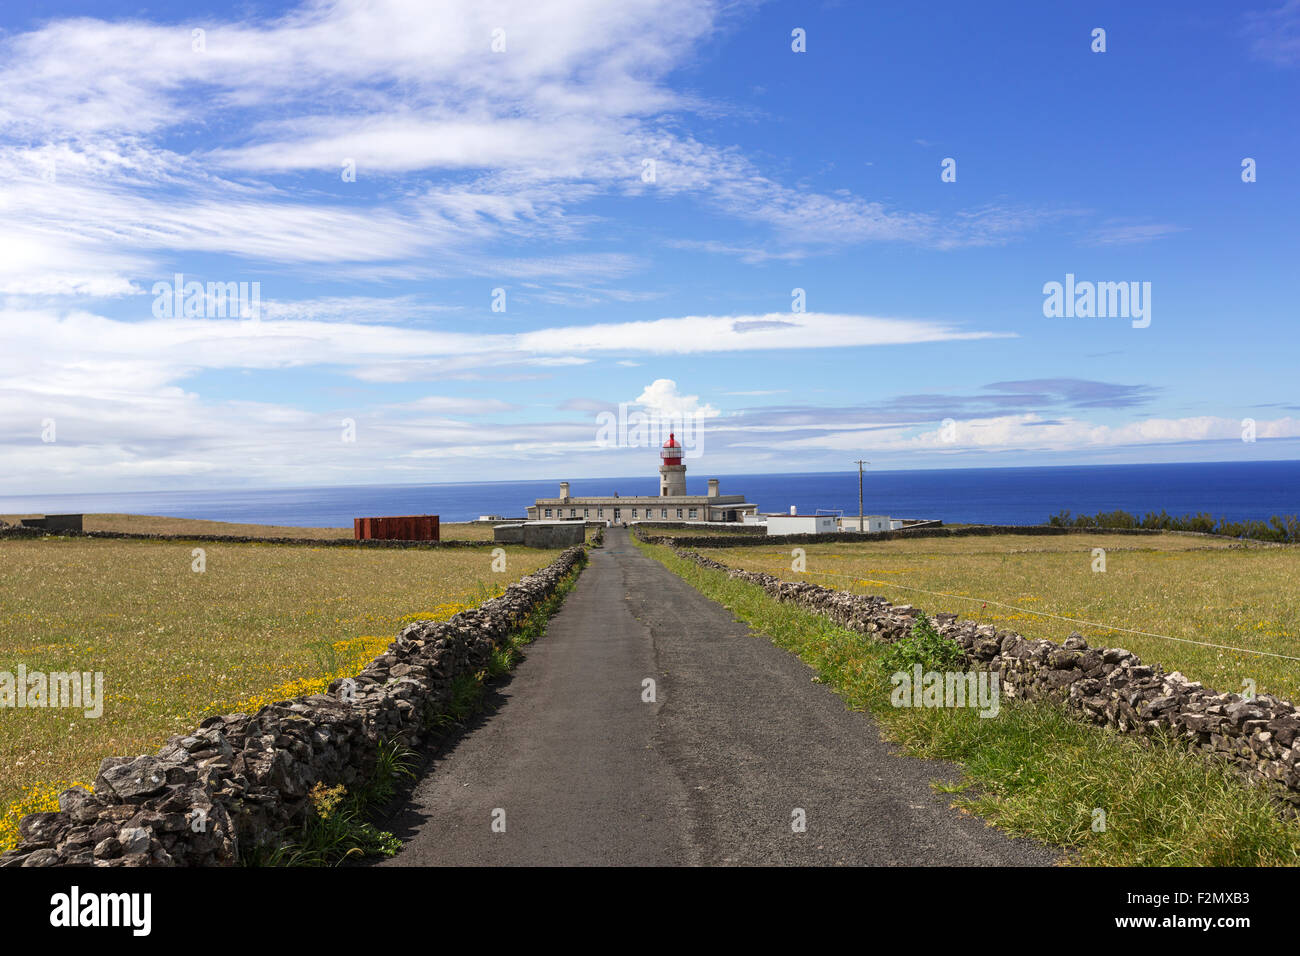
x=239 y=781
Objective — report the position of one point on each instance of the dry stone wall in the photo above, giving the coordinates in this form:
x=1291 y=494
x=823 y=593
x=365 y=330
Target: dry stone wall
x=747 y=540
x=1111 y=686
x=239 y=781
x=17 y=531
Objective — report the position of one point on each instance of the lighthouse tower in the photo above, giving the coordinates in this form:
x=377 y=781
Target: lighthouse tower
x=672 y=473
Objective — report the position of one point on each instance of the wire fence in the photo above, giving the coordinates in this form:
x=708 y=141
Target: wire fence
x=1048 y=614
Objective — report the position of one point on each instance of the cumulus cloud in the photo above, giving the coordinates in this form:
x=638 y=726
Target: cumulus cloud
x=663 y=398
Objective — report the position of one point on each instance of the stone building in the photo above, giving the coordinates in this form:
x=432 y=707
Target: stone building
x=671 y=504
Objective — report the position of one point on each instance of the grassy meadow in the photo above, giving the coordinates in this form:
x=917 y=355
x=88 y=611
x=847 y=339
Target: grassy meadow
x=157 y=524
x=261 y=623
x=1032 y=770
x=1189 y=587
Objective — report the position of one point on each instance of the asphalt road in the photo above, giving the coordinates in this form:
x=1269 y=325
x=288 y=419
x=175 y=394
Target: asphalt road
x=581 y=771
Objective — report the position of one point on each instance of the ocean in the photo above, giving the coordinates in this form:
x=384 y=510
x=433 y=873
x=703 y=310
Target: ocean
x=1233 y=490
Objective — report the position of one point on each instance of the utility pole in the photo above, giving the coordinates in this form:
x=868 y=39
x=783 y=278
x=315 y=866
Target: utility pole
x=860 y=463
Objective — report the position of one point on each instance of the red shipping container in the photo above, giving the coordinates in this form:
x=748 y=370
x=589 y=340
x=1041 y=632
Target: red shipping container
x=397 y=528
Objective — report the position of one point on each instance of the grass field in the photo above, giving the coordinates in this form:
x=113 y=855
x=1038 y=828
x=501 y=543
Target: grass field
x=1032 y=770
x=156 y=524
x=261 y=623
x=1189 y=587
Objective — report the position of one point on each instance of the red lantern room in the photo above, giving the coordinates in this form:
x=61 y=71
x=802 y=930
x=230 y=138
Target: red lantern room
x=672 y=451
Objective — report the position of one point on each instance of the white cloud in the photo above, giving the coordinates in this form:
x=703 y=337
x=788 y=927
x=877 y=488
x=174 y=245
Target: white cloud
x=170 y=349
x=662 y=398
x=770 y=331
x=116 y=388
x=89 y=75
x=1030 y=431
x=1124 y=234
x=354 y=308
x=517 y=140
x=455 y=405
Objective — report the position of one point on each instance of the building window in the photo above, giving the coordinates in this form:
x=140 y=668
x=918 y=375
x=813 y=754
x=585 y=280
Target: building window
x=633 y=512
x=600 y=512
x=663 y=512
x=573 y=512
x=586 y=512
x=548 y=512
x=695 y=512
x=679 y=512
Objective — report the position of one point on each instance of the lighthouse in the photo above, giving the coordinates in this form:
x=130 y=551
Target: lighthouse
x=672 y=503
x=672 y=473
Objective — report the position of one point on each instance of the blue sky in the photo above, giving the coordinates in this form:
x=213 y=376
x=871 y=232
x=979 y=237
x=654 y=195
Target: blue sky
x=133 y=148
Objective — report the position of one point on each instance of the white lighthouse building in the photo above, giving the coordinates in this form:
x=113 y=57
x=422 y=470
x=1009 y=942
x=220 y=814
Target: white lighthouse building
x=671 y=504
x=672 y=473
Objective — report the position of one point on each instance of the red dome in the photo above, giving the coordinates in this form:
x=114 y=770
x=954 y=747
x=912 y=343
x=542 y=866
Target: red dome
x=672 y=442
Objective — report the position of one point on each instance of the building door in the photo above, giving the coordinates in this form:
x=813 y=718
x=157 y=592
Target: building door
x=617 y=512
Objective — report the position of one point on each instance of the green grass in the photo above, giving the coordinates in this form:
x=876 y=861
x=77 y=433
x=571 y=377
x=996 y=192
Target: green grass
x=337 y=827
x=261 y=623
x=1032 y=770
x=1186 y=587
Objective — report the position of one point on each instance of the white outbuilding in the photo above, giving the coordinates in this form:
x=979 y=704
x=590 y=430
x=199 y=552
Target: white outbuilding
x=801 y=524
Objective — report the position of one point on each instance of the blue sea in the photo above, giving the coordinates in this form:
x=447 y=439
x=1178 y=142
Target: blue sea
x=1233 y=490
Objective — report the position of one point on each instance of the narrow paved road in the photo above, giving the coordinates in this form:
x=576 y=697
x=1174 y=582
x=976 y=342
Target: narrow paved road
x=583 y=772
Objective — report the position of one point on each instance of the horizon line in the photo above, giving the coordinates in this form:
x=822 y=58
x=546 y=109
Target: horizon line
x=765 y=474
